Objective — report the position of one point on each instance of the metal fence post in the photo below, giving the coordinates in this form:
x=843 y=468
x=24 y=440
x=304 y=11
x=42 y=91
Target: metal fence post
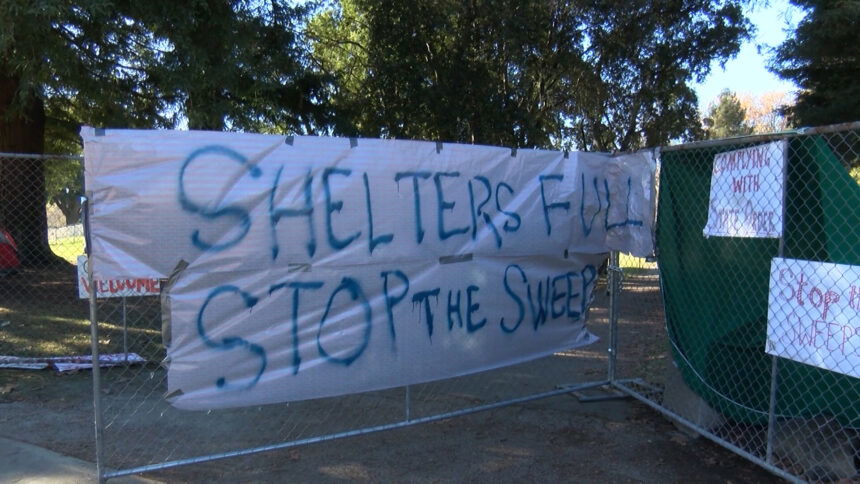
x=94 y=335
x=614 y=290
x=124 y=329
x=771 y=422
x=774 y=370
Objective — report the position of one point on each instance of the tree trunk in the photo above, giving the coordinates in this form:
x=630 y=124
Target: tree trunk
x=70 y=204
x=22 y=180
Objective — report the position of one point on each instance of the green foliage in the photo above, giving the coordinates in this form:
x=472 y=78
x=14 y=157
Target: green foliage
x=592 y=75
x=229 y=65
x=74 y=54
x=823 y=58
x=727 y=117
x=217 y=64
x=339 y=37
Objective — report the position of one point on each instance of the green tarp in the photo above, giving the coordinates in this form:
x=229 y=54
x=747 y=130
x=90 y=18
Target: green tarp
x=716 y=289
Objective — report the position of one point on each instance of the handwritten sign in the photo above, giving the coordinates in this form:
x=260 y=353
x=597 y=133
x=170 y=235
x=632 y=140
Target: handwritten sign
x=308 y=267
x=746 y=192
x=114 y=287
x=276 y=336
x=813 y=313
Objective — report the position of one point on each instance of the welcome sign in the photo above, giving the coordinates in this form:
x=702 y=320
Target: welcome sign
x=114 y=288
x=308 y=267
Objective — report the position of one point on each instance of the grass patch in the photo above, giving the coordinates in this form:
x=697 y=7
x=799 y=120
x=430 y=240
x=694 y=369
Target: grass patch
x=68 y=248
x=628 y=261
x=41 y=315
x=64 y=331
x=40 y=332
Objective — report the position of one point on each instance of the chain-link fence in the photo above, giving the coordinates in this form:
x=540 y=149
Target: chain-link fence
x=141 y=431
x=45 y=313
x=141 y=428
x=759 y=270
x=779 y=389
x=41 y=236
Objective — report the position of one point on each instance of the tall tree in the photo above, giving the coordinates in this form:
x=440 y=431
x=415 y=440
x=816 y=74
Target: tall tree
x=55 y=49
x=230 y=64
x=642 y=57
x=727 y=117
x=592 y=75
x=219 y=64
x=823 y=58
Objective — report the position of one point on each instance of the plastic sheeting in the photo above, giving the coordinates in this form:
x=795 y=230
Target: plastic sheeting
x=307 y=267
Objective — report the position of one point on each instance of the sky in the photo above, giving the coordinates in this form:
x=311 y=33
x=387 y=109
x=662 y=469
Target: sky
x=747 y=73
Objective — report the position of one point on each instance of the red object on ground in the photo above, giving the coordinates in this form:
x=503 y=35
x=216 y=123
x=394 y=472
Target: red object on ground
x=8 y=251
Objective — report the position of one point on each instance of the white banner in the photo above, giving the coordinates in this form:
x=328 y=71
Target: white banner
x=747 y=192
x=813 y=313
x=314 y=266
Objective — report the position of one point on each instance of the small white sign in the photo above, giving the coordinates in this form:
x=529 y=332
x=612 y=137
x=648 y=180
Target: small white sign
x=813 y=312
x=114 y=287
x=746 y=192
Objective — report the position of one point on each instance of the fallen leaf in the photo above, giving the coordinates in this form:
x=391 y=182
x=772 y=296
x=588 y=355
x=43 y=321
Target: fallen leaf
x=679 y=438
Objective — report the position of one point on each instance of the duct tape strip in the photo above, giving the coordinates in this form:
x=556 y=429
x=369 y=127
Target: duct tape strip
x=455 y=259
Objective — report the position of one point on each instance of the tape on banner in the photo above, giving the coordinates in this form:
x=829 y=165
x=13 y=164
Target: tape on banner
x=454 y=259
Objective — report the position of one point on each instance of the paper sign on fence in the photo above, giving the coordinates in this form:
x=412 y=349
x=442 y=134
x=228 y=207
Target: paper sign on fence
x=114 y=287
x=746 y=194
x=308 y=267
x=813 y=309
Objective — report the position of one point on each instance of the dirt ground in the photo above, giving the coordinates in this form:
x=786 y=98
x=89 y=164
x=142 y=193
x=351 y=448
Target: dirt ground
x=556 y=439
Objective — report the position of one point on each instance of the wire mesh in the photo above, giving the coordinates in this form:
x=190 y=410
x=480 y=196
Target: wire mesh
x=40 y=238
x=708 y=364
x=761 y=330
x=141 y=428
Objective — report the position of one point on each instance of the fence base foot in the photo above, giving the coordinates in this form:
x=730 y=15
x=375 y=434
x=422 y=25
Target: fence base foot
x=609 y=393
